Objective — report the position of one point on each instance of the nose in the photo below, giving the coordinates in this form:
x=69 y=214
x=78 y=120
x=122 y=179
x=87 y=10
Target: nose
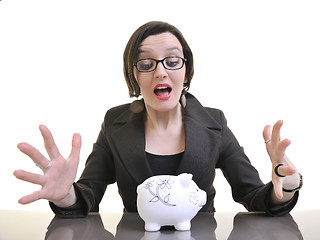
x=160 y=71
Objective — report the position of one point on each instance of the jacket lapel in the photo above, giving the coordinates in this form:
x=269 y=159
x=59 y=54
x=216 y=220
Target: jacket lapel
x=203 y=135
x=129 y=140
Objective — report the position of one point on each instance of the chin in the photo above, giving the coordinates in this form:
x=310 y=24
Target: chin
x=166 y=106
x=162 y=104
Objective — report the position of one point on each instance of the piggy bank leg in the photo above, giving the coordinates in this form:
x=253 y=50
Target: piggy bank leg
x=183 y=226
x=152 y=227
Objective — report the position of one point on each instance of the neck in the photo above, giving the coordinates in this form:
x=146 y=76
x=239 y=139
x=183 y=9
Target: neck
x=164 y=131
x=164 y=120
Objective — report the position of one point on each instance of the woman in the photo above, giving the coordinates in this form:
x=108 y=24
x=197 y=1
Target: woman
x=167 y=132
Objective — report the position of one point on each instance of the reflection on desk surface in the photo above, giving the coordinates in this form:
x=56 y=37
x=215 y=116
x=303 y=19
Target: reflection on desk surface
x=130 y=226
x=245 y=226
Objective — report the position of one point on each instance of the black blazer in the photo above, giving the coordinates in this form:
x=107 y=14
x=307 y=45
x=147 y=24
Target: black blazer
x=119 y=156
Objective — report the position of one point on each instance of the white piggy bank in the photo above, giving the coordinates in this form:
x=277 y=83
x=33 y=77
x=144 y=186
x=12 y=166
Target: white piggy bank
x=167 y=200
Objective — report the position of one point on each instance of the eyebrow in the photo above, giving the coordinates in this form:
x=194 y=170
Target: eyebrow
x=173 y=49
x=168 y=50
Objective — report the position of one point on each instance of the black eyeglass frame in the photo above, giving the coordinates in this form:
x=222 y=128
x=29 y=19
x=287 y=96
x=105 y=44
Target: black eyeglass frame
x=158 y=61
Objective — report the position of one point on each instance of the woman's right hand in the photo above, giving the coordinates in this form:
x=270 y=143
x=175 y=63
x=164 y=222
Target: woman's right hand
x=58 y=173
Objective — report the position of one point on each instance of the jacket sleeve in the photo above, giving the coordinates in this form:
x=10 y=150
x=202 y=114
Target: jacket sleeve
x=98 y=173
x=247 y=187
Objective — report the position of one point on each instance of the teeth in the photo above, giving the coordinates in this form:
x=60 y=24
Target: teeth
x=162 y=87
x=161 y=90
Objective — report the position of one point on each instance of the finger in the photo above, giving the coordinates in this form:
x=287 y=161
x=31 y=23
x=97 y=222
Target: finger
x=76 y=146
x=267 y=136
x=286 y=170
x=284 y=144
x=281 y=149
x=275 y=137
x=34 y=154
x=289 y=163
x=30 y=198
x=267 y=133
x=29 y=177
x=49 y=143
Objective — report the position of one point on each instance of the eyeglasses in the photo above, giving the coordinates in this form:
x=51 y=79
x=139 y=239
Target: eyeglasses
x=169 y=63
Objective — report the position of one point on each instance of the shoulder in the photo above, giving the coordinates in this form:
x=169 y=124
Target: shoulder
x=120 y=115
x=214 y=112
x=115 y=117
x=204 y=114
x=217 y=114
x=115 y=112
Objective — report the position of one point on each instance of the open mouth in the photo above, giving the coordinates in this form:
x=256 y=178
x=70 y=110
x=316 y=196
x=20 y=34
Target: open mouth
x=162 y=90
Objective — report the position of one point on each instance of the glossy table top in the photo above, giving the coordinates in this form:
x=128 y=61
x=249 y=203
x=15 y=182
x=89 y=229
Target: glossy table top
x=206 y=226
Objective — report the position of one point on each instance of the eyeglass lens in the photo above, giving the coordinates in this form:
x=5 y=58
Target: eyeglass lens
x=149 y=64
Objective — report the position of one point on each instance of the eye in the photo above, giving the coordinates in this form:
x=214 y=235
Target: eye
x=145 y=64
x=172 y=62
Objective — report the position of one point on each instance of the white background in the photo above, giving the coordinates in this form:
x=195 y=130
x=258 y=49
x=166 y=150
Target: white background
x=61 y=65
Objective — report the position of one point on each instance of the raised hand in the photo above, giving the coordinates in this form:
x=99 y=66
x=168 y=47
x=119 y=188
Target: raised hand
x=288 y=174
x=58 y=173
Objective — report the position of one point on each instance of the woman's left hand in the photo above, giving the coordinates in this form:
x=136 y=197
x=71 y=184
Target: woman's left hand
x=276 y=149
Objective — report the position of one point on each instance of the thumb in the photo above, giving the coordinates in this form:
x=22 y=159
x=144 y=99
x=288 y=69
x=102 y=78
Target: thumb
x=278 y=190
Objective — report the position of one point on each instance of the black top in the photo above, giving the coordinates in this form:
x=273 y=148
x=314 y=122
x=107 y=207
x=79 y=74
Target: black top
x=164 y=164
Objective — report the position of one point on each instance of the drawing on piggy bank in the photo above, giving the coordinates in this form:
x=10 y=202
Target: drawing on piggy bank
x=167 y=200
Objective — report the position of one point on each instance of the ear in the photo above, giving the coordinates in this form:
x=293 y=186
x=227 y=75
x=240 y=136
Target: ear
x=185 y=179
x=185 y=80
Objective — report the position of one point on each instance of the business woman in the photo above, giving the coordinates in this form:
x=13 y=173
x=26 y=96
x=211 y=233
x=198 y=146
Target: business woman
x=168 y=131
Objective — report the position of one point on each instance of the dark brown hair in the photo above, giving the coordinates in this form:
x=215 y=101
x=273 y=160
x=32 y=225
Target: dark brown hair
x=131 y=53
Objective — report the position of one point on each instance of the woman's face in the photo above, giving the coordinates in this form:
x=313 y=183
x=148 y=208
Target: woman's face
x=161 y=88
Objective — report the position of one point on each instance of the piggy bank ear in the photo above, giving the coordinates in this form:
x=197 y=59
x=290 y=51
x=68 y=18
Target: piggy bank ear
x=139 y=187
x=185 y=179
